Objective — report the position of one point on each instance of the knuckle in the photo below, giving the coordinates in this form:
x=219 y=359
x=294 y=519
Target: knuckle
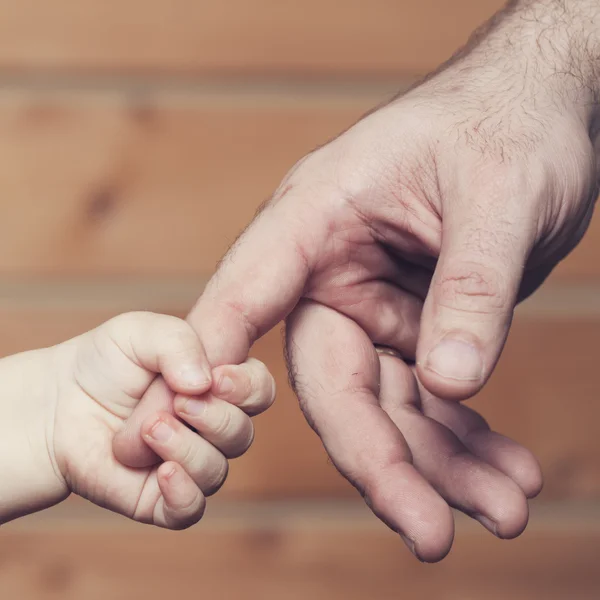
x=378 y=498
x=224 y=426
x=185 y=516
x=496 y=239
x=130 y=319
x=288 y=183
x=306 y=169
x=207 y=466
x=263 y=387
x=389 y=459
x=217 y=477
x=259 y=388
x=180 y=335
x=190 y=455
x=180 y=343
x=124 y=322
x=473 y=288
x=243 y=439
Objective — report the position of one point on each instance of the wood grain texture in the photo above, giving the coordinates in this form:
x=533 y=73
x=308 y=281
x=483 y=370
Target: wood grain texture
x=104 y=185
x=234 y=36
x=544 y=394
x=97 y=184
x=352 y=559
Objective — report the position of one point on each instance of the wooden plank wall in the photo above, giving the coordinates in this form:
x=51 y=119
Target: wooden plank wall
x=136 y=139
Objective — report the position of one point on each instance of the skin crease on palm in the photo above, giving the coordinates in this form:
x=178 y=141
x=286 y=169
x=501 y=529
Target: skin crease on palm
x=419 y=229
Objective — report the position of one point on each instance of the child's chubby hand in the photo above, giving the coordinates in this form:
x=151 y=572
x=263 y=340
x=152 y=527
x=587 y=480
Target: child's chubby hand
x=96 y=381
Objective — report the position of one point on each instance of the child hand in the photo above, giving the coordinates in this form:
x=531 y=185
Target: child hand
x=99 y=377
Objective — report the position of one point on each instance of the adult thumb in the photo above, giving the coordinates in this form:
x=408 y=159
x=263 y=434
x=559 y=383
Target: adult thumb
x=469 y=308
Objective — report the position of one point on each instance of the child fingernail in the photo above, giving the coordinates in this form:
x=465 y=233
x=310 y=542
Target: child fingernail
x=194 y=376
x=161 y=432
x=225 y=386
x=175 y=476
x=194 y=407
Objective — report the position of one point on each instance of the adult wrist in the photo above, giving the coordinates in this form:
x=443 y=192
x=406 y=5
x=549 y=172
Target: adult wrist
x=556 y=43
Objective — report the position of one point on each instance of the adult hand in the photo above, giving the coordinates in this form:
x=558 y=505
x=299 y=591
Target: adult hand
x=419 y=229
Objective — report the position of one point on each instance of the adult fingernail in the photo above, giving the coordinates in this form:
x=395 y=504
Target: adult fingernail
x=161 y=432
x=455 y=359
x=194 y=407
x=410 y=544
x=194 y=376
x=225 y=387
x=487 y=523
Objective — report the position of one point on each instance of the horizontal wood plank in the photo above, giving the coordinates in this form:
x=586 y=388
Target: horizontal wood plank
x=351 y=559
x=104 y=185
x=314 y=37
x=544 y=394
x=97 y=184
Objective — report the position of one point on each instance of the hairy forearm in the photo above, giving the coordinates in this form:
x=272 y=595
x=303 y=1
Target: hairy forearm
x=544 y=52
x=564 y=31
x=557 y=42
